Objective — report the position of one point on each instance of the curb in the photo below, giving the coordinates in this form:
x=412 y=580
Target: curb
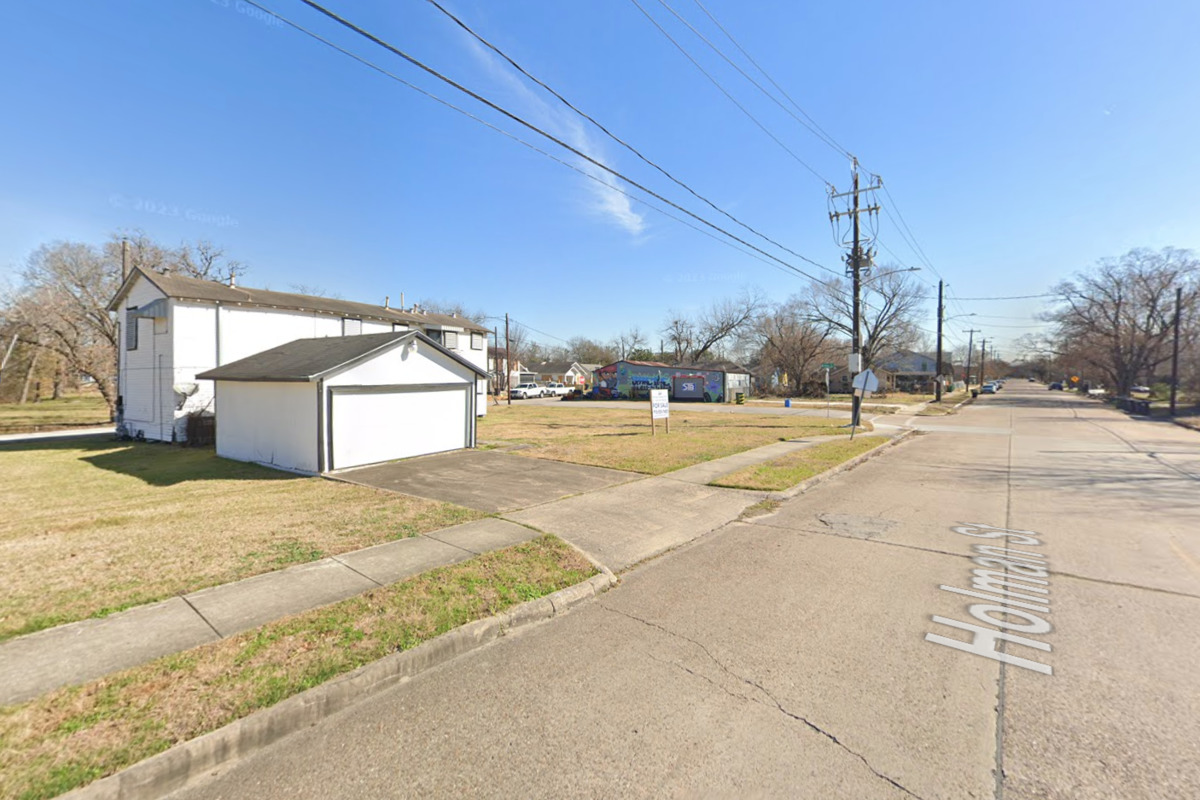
x=188 y=762
x=845 y=466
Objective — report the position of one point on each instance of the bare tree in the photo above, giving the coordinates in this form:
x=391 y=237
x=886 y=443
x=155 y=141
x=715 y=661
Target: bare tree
x=680 y=333
x=629 y=341
x=725 y=320
x=695 y=339
x=790 y=341
x=587 y=351
x=451 y=309
x=62 y=308
x=1119 y=317
x=890 y=303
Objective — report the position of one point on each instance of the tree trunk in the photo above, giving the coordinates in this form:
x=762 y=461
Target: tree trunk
x=29 y=374
x=7 y=354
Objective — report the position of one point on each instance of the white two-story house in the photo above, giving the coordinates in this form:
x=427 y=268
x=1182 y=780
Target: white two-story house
x=174 y=327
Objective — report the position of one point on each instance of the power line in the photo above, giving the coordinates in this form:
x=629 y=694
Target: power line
x=723 y=91
x=605 y=130
x=479 y=98
x=530 y=145
x=815 y=131
x=825 y=137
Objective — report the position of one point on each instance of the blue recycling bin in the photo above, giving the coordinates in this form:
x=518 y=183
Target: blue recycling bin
x=787 y=402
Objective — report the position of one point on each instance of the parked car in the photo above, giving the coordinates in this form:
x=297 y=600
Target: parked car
x=524 y=391
x=557 y=389
x=1143 y=389
x=987 y=388
x=1056 y=386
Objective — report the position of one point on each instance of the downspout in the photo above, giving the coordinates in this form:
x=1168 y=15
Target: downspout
x=320 y=425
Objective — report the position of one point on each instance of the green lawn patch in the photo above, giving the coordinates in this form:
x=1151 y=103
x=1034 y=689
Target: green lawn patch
x=50 y=415
x=787 y=471
x=90 y=526
x=73 y=736
x=619 y=437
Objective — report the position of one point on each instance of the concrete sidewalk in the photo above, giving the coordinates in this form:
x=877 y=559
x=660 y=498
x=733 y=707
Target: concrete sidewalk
x=103 y=430
x=82 y=651
x=617 y=526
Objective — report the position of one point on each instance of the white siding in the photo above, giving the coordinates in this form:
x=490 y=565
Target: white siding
x=140 y=376
x=422 y=365
x=246 y=331
x=269 y=423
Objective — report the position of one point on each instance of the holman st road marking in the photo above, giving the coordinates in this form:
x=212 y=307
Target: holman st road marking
x=1015 y=585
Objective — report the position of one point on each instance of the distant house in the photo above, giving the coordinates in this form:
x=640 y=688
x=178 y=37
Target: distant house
x=570 y=373
x=912 y=371
x=840 y=379
x=501 y=376
x=334 y=402
x=173 y=327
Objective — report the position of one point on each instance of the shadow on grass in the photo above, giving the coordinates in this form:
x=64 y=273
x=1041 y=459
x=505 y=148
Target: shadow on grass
x=154 y=463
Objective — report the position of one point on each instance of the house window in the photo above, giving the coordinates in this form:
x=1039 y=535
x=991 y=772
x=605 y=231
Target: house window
x=476 y=341
x=450 y=340
x=351 y=327
x=434 y=334
x=131 y=328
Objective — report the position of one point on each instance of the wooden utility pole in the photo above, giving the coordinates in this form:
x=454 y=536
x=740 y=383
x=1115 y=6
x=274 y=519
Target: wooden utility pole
x=855 y=265
x=982 y=360
x=970 y=354
x=1175 y=351
x=941 y=313
x=507 y=361
x=496 y=364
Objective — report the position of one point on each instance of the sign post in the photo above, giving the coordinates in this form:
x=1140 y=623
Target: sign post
x=660 y=408
x=864 y=383
x=827 y=367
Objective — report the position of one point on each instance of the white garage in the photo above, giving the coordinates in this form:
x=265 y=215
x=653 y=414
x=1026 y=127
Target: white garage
x=317 y=405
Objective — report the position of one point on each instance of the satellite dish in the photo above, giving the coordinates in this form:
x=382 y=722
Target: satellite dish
x=185 y=389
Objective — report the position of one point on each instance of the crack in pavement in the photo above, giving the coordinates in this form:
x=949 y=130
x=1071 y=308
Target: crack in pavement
x=774 y=701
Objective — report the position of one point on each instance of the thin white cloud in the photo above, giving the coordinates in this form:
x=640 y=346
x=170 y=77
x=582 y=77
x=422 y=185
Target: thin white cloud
x=603 y=199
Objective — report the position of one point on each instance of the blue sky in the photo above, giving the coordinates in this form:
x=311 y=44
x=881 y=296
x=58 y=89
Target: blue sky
x=1020 y=142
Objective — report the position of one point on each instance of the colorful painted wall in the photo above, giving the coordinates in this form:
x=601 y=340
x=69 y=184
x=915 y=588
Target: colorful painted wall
x=626 y=380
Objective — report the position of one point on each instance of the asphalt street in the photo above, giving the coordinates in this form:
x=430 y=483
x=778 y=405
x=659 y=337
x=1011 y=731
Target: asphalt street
x=797 y=654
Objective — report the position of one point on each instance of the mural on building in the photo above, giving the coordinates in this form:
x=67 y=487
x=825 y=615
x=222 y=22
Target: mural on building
x=628 y=380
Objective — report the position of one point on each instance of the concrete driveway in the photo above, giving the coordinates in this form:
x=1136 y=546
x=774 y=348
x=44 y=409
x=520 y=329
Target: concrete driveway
x=486 y=480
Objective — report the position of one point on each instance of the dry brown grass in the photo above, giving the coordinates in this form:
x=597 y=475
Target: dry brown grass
x=74 y=736
x=619 y=437
x=787 y=471
x=91 y=526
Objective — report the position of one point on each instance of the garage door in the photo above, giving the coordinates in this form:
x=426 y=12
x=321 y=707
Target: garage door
x=371 y=426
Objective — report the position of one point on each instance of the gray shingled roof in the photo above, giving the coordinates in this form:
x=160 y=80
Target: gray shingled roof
x=309 y=359
x=182 y=287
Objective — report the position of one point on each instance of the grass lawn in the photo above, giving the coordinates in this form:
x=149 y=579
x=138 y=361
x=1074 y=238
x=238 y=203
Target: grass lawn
x=787 y=471
x=50 y=415
x=619 y=437
x=74 y=736
x=91 y=526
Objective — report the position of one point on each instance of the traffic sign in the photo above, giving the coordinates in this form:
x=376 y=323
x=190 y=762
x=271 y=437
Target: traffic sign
x=865 y=381
x=829 y=366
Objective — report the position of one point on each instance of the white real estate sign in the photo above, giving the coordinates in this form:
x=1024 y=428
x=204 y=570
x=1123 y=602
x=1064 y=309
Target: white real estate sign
x=660 y=407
